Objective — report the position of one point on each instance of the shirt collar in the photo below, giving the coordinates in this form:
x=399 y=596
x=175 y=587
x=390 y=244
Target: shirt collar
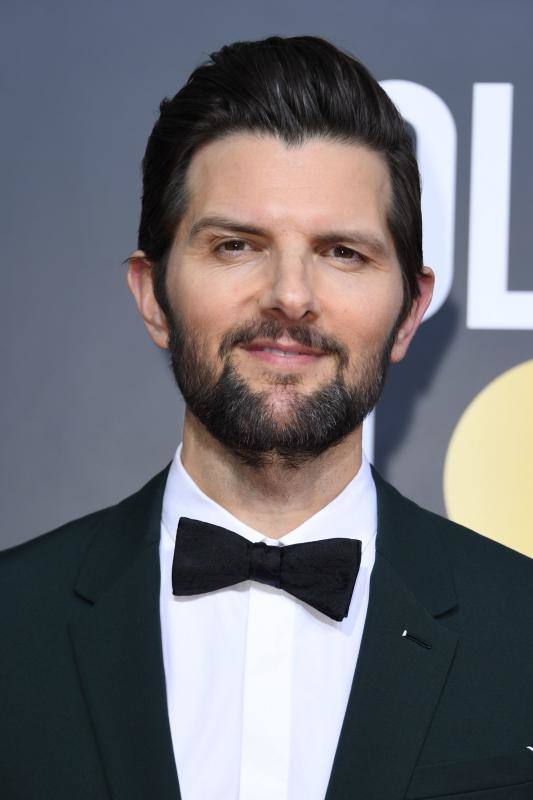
x=351 y=514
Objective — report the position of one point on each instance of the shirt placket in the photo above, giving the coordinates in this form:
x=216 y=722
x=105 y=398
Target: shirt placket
x=267 y=695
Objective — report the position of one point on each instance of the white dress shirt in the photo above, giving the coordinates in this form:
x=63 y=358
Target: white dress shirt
x=258 y=681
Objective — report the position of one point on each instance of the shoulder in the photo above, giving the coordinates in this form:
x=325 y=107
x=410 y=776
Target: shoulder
x=37 y=580
x=48 y=565
x=473 y=554
x=51 y=558
x=488 y=576
x=493 y=579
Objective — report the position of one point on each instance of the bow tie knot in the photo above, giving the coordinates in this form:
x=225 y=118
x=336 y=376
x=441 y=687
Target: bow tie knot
x=265 y=563
x=320 y=573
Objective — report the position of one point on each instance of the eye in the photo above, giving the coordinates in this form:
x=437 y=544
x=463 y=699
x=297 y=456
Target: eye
x=231 y=247
x=347 y=254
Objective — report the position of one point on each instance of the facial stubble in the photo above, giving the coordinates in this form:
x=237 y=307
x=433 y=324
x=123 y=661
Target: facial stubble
x=282 y=424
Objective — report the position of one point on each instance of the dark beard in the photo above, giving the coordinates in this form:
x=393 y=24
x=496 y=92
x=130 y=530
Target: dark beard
x=243 y=421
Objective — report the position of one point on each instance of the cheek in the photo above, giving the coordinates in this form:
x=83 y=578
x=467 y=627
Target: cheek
x=364 y=324
x=207 y=308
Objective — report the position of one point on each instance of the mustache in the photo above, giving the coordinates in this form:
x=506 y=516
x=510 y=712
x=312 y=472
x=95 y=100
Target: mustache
x=274 y=329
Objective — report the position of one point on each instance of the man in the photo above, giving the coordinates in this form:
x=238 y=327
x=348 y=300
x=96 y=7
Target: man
x=267 y=617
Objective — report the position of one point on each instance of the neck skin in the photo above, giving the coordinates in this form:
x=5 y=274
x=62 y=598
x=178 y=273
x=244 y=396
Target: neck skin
x=273 y=500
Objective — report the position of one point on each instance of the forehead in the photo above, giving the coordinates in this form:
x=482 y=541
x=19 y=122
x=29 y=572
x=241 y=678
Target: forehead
x=262 y=179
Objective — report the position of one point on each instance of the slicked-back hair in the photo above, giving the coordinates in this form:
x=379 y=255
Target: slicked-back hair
x=295 y=88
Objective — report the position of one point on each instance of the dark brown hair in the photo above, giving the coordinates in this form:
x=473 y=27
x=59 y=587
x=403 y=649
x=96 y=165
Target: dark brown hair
x=294 y=88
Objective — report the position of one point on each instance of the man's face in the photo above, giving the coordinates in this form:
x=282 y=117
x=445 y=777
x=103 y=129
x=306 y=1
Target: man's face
x=285 y=291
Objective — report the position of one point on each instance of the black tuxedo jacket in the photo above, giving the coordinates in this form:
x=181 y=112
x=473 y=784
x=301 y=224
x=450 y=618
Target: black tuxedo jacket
x=445 y=711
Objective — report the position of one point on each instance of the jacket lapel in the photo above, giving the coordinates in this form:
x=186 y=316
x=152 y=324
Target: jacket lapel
x=396 y=686
x=117 y=646
x=398 y=679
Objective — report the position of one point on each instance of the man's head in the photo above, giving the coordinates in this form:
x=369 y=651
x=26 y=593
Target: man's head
x=281 y=206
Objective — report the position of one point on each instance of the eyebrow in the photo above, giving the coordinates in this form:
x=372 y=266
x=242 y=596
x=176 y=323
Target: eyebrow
x=356 y=238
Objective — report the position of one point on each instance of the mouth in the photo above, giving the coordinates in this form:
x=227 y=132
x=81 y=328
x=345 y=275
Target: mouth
x=290 y=354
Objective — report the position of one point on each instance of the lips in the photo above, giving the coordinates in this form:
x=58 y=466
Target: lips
x=282 y=354
x=282 y=349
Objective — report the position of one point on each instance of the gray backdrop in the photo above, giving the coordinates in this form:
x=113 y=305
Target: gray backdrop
x=89 y=407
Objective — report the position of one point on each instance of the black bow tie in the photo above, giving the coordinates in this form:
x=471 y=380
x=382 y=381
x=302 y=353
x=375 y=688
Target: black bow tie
x=321 y=573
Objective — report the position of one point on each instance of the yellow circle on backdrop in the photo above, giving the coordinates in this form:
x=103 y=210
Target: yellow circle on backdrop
x=488 y=472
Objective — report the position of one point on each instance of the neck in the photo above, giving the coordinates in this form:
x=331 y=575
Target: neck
x=273 y=499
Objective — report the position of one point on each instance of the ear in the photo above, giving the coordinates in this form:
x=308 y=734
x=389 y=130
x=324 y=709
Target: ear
x=139 y=280
x=410 y=325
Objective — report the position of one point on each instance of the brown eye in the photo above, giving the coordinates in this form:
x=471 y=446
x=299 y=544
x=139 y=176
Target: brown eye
x=233 y=244
x=346 y=253
x=230 y=246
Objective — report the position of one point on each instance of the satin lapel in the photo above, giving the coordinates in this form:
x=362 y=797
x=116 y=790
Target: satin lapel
x=117 y=645
x=398 y=679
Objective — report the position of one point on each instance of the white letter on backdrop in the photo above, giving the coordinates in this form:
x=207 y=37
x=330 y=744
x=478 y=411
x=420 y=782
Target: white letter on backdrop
x=368 y=436
x=490 y=303
x=436 y=137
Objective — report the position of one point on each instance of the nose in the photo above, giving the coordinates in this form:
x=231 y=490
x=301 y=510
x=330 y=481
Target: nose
x=288 y=292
